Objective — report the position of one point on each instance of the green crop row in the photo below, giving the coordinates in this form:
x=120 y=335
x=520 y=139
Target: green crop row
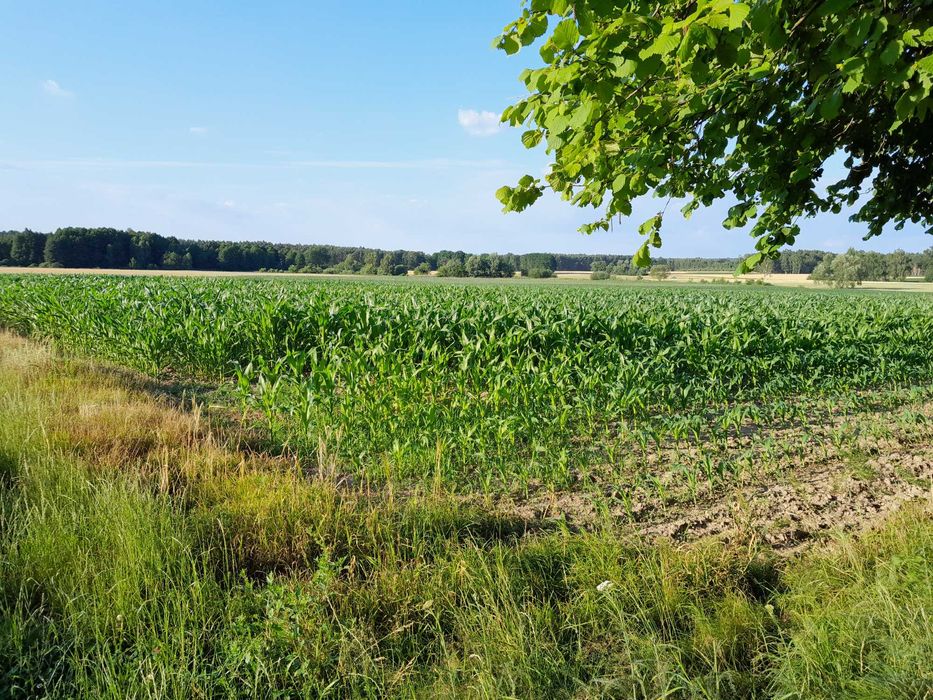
x=457 y=382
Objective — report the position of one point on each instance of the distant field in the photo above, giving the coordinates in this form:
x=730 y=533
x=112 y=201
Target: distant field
x=781 y=280
x=267 y=487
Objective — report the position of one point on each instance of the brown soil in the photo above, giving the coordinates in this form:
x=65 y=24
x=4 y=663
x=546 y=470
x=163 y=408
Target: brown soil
x=821 y=499
x=787 y=512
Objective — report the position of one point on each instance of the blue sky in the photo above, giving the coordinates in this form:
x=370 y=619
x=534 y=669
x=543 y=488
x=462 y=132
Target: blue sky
x=365 y=123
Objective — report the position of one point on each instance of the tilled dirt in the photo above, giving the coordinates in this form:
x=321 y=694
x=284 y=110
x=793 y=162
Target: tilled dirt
x=822 y=499
x=789 y=512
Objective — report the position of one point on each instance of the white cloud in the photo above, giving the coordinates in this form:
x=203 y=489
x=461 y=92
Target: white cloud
x=51 y=87
x=229 y=204
x=479 y=123
x=198 y=130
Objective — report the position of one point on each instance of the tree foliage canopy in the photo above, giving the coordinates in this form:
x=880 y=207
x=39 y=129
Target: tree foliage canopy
x=711 y=98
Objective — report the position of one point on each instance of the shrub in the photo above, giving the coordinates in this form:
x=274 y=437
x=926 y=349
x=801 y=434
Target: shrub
x=452 y=268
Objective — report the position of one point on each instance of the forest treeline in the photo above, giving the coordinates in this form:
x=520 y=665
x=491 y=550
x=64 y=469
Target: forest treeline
x=112 y=248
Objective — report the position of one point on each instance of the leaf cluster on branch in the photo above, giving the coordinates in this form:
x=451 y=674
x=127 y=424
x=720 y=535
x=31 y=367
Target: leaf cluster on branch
x=715 y=98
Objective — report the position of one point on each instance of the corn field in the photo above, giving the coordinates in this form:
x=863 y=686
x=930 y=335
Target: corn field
x=491 y=384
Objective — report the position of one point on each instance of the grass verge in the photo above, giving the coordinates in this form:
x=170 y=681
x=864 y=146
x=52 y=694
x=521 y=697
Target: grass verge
x=142 y=554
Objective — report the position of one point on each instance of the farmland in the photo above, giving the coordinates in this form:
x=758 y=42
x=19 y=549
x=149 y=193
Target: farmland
x=413 y=488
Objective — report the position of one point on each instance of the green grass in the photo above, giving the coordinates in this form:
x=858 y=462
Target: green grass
x=186 y=568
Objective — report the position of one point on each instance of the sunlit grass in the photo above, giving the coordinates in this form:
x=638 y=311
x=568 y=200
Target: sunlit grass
x=190 y=569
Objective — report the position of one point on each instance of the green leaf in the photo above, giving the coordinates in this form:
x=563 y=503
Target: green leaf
x=566 y=35
x=802 y=172
x=509 y=44
x=852 y=65
x=642 y=257
x=737 y=14
x=531 y=138
x=750 y=263
x=904 y=107
x=762 y=16
x=761 y=71
x=829 y=108
x=620 y=183
x=832 y=7
x=651 y=227
x=717 y=21
x=557 y=124
x=892 y=52
x=624 y=67
x=925 y=64
x=690 y=207
x=661 y=46
x=581 y=115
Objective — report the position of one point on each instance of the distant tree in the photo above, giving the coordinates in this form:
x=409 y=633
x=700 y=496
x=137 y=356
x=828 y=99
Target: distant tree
x=898 y=266
x=144 y=251
x=501 y=266
x=538 y=262
x=478 y=266
x=445 y=256
x=350 y=264
x=422 y=269
x=925 y=261
x=452 y=268
x=388 y=262
x=107 y=247
x=823 y=272
x=315 y=256
x=848 y=269
x=874 y=265
x=412 y=259
x=599 y=270
x=617 y=269
x=800 y=261
x=27 y=248
x=230 y=257
x=538 y=273
x=660 y=272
